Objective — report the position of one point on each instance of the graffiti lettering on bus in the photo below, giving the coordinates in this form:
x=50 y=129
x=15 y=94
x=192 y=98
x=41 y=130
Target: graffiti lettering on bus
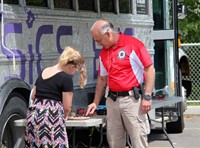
x=63 y=30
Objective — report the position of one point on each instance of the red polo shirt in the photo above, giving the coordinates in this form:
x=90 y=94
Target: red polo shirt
x=124 y=64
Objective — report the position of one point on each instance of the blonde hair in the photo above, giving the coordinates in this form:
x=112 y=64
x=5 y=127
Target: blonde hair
x=71 y=55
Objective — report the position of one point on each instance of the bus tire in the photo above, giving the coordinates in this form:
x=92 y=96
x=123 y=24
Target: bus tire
x=179 y=125
x=15 y=109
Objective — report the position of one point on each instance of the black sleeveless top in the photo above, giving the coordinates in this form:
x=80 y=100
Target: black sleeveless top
x=52 y=88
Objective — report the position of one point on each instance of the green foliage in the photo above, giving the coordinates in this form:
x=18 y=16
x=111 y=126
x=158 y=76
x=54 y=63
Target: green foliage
x=189 y=28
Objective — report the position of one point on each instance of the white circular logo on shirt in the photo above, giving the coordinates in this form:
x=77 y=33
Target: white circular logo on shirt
x=121 y=54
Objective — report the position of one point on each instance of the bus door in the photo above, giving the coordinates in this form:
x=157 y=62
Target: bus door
x=163 y=37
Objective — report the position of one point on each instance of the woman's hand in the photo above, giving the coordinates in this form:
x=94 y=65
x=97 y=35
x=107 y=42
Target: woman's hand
x=66 y=118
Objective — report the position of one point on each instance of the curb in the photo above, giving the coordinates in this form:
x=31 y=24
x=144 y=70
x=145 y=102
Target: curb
x=192 y=110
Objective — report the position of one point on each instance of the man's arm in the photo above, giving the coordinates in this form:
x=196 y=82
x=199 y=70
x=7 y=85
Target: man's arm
x=149 y=85
x=149 y=79
x=100 y=89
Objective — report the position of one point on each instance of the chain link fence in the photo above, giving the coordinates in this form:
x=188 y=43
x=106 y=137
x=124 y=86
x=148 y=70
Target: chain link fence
x=192 y=50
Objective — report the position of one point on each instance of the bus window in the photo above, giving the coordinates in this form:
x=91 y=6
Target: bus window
x=162 y=16
x=11 y=2
x=40 y=3
x=164 y=64
x=163 y=57
x=66 y=4
x=107 y=5
x=125 y=6
x=86 y=5
x=159 y=63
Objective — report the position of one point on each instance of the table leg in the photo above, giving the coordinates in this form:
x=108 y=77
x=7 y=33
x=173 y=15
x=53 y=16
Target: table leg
x=91 y=129
x=101 y=135
x=163 y=128
x=73 y=137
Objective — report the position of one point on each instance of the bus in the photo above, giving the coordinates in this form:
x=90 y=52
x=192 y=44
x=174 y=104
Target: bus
x=34 y=33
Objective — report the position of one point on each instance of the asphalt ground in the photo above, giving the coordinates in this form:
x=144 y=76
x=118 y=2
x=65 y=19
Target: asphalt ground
x=190 y=138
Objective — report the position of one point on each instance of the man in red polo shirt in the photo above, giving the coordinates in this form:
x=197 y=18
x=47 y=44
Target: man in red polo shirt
x=123 y=62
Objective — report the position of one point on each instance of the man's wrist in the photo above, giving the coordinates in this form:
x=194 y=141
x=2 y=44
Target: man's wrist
x=147 y=96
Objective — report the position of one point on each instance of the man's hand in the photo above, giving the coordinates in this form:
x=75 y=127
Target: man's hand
x=91 y=108
x=146 y=105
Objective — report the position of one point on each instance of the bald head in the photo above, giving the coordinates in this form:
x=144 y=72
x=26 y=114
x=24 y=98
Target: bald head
x=101 y=26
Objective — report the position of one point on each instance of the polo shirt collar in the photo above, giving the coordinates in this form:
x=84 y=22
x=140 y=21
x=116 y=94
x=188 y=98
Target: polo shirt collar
x=120 y=42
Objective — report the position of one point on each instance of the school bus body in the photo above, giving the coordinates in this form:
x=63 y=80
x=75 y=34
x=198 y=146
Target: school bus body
x=32 y=38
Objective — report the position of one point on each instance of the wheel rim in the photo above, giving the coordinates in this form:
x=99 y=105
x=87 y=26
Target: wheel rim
x=8 y=131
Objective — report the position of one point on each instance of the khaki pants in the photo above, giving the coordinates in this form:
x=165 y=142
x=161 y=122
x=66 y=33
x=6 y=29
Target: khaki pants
x=124 y=115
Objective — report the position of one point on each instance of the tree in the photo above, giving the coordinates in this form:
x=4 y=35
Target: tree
x=189 y=28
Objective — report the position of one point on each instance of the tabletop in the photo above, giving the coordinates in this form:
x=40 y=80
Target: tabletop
x=166 y=101
x=92 y=121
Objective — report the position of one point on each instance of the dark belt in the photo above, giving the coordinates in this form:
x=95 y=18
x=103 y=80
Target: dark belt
x=113 y=95
x=123 y=93
x=136 y=92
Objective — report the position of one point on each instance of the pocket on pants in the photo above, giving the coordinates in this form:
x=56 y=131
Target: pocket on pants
x=144 y=122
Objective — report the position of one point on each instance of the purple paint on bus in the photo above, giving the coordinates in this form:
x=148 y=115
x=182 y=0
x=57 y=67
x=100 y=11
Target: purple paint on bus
x=62 y=30
x=10 y=28
x=30 y=19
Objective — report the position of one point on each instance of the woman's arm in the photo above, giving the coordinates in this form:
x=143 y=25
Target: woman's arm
x=67 y=102
x=33 y=92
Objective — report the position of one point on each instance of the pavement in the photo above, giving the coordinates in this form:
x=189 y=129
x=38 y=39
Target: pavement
x=189 y=138
x=192 y=110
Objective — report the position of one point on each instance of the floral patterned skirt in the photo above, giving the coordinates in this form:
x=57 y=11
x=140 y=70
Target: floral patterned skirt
x=46 y=125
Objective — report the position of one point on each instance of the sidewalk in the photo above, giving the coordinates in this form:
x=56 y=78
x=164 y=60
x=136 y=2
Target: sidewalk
x=192 y=110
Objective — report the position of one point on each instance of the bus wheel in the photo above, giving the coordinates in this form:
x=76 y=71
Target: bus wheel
x=15 y=109
x=177 y=126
